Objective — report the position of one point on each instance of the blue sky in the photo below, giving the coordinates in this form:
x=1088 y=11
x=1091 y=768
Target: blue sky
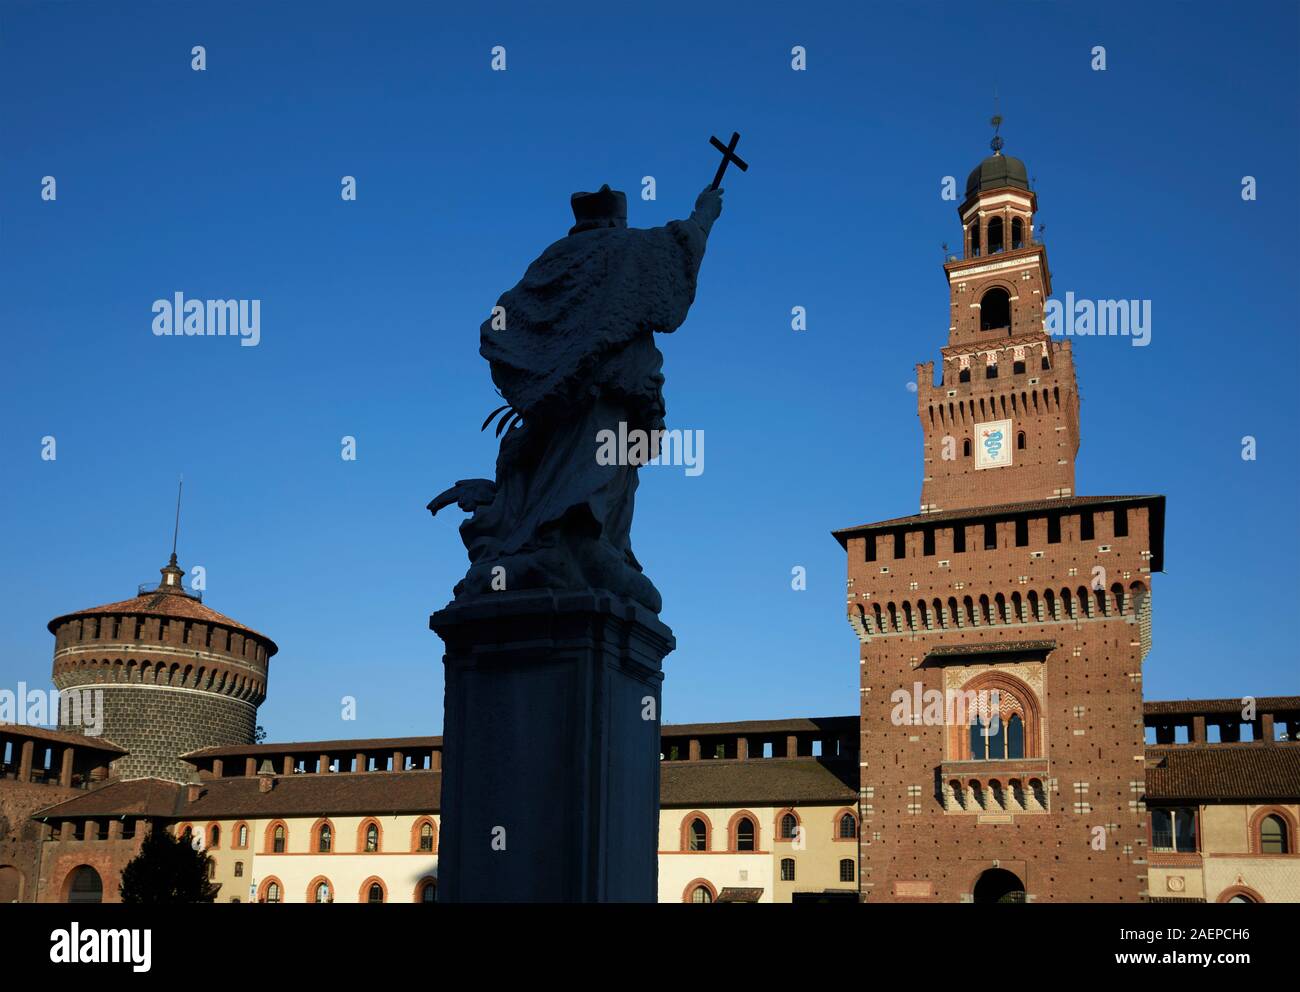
x=225 y=183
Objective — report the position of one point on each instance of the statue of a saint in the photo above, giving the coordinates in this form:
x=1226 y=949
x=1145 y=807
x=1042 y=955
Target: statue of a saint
x=572 y=352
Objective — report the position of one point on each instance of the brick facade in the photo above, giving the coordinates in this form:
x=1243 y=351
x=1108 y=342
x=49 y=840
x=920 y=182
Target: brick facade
x=1007 y=582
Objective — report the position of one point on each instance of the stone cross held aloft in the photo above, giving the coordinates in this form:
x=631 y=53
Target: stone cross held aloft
x=728 y=156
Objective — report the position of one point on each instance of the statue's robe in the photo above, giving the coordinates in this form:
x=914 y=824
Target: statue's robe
x=577 y=357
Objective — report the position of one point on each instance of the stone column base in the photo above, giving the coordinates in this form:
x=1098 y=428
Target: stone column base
x=550 y=777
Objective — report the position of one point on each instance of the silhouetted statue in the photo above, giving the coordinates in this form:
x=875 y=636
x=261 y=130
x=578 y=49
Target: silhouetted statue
x=572 y=353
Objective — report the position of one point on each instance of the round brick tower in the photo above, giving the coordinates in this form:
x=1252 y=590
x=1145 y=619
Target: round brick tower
x=175 y=676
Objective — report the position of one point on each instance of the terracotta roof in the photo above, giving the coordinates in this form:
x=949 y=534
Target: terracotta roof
x=740 y=894
x=757 y=782
x=1193 y=707
x=60 y=737
x=316 y=795
x=317 y=747
x=139 y=796
x=1249 y=771
x=834 y=724
x=172 y=605
x=1157 y=503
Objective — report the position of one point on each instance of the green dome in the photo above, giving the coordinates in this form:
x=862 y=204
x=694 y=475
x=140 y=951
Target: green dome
x=997 y=171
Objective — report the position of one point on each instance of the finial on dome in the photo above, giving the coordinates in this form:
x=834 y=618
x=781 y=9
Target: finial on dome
x=996 y=143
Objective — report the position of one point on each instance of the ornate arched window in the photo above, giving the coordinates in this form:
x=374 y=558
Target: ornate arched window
x=271 y=891
x=325 y=839
x=320 y=891
x=995 y=718
x=744 y=834
x=701 y=894
x=279 y=838
x=425 y=840
x=848 y=826
x=369 y=837
x=375 y=893
x=1273 y=837
x=697 y=835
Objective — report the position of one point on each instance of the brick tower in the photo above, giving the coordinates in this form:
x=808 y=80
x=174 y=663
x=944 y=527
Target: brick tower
x=176 y=676
x=1003 y=627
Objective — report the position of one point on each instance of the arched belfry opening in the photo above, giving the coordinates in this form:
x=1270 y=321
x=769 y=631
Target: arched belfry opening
x=998 y=885
x=995 y=310
x=995 y=235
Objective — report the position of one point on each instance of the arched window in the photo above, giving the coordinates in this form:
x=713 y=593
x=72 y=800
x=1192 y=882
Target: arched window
x=1015 y=737
x=964 y=375
x=787 y=869
x=320 y=891
x=975 y=239
x=271 y=890
x=1020 y=440
x=848 y=827
x=241 y=832
x=698 y=836
x=745 y=834
x=701 y=894
x=995 y=310
x=214 y=836
x=427 y=890
x=375 y=893
x=325 y=839
x=965 y=447
x=278 y=838
x=426 y=837
x=369 y=838
x=846 y=869
x=1017 y=233
x=995 y=235
x=1273 y=836
x=789 y=827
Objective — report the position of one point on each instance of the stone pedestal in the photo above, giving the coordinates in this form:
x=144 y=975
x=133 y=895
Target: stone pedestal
x=550 y=779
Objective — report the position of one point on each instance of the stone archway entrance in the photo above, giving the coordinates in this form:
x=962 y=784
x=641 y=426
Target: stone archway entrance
x=11 y=884
x=85 y=885
x=999 y=885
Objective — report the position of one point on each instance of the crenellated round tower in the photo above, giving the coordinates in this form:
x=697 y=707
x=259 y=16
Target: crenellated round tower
x=175 y=676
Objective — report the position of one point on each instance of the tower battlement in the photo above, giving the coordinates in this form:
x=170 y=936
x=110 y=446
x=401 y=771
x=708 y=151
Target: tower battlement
x=176 y=675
